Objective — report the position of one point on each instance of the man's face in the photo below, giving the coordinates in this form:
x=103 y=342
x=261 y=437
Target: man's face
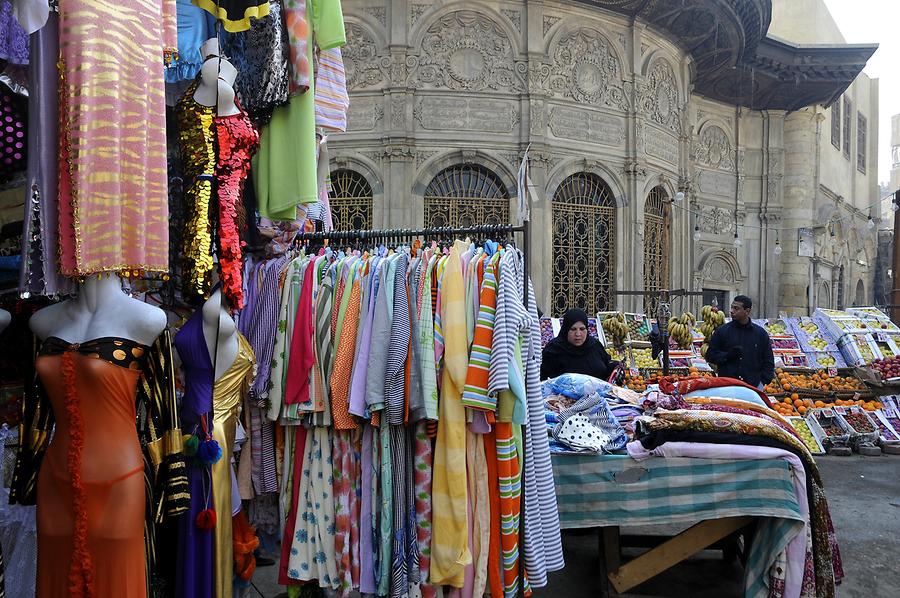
x=577 y=334
x=739 y=312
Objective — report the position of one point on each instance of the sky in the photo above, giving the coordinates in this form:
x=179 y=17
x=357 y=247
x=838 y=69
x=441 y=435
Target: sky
x=876 y=21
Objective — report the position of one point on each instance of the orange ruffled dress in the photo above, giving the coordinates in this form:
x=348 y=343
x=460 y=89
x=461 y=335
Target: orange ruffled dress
x=90 y=509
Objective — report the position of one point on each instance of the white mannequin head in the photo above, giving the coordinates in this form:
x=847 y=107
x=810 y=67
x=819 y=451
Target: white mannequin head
x=217 y=77
x=215 y=67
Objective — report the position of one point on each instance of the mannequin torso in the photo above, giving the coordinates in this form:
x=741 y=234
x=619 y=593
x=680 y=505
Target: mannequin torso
x=100 y=310
x=216 y=88
x=5 y=319
x=220 y=333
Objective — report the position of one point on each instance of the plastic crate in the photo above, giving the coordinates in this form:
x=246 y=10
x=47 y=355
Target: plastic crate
x=887 y=431
x=798 y=423
x=830 y=428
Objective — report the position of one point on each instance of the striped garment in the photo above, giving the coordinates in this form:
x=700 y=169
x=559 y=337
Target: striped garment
x=426 y=341
x=510 y=489
x=283 y=332
x=543 y=544
x=262 y=339
x=324 y=301
x=331 y=96
x=450 y=549
x=475 y=394
x=398 y=347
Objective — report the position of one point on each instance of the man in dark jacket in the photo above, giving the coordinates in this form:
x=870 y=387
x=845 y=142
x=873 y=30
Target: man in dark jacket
x=741 y=349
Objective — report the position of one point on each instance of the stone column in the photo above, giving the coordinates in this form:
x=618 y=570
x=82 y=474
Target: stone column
x=800 y=190
x=535 y=105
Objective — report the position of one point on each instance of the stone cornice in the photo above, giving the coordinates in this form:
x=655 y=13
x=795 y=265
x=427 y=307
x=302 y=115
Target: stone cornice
x=734 y=61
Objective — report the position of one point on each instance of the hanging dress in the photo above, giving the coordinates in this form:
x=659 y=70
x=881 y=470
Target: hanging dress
x=113 y=197
x=235 y=14
x=91 y=489
x=196 y=138
x=260 y=55
x=237 y=141
x=40 y=241
x=230 y=390
x=194 y=576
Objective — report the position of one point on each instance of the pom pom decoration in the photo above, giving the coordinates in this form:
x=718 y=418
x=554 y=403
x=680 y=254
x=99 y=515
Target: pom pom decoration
x=191 y=444
x=209 y=452
x=206 y=519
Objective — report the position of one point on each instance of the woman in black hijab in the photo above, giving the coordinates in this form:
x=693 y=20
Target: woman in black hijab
x=574 y=351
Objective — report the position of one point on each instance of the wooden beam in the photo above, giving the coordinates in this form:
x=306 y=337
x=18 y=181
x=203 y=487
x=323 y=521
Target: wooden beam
x=674 y=550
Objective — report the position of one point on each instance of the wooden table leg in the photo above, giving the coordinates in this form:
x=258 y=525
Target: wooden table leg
x=609 y=557
x=673 y=551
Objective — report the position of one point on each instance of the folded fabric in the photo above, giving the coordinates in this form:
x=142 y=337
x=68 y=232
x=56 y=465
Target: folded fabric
x=574 y=386
x=739 y=393
x=579 y=433
x=597 y=413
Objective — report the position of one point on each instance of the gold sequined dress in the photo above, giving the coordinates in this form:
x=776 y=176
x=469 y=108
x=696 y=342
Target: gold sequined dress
x=197 y=142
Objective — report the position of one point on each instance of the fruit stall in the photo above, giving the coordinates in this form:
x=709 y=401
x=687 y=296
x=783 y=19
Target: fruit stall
x=837 y=372
x=785 y=346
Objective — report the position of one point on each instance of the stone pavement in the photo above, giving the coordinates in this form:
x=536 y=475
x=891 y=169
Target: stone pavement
x=864 y=495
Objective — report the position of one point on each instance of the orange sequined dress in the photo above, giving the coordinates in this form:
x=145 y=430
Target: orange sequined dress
x=91 y=497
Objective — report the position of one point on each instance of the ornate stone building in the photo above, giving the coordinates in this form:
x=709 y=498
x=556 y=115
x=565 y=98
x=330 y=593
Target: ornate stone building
x=625 y=103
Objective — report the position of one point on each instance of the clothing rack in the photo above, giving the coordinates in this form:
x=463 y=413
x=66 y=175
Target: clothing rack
x=407 y=234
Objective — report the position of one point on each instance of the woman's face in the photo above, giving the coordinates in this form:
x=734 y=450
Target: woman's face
x=577 y=334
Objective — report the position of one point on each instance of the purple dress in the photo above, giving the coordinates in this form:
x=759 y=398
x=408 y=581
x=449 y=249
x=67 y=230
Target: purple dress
x=194 y=572
x=13 y=39
x=40 y=248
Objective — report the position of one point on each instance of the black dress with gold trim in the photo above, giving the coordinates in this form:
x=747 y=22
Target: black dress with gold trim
x=235 y=14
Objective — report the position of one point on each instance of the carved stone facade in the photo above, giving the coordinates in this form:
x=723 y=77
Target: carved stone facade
x=439 y=84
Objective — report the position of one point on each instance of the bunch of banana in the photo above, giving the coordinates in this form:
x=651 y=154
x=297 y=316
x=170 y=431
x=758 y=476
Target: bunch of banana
x=713 y=317
x=615 y=329
x=680 y=329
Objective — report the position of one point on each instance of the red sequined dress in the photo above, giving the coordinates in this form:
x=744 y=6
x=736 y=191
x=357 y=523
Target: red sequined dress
x=237 y=141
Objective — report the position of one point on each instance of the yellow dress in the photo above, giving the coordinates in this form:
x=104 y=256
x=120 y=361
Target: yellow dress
x=228 y=394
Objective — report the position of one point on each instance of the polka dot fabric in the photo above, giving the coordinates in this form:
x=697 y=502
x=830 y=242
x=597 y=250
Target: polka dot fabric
x=13 y=152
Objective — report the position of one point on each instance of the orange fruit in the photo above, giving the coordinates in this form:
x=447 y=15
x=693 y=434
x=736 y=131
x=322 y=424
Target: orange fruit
x=795 y=396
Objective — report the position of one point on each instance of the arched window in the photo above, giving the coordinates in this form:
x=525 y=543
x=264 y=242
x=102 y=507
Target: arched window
x=860 y=299
x=351 y=200
x=823 y=299
x=584 y=242
x=466 y=195
x=656 y=246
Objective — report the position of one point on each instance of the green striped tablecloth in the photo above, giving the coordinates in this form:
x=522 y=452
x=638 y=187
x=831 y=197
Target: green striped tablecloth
x=593 y=491
x=599 y=491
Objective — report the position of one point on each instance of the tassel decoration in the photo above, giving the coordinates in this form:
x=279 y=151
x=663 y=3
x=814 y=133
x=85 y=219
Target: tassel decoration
x=191 y=444
x=206 y=520
x=209 y=452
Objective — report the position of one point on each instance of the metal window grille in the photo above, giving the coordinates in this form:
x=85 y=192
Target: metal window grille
x=861 y=142
x=656 y=245
x=351 y=200
x=466 y=195
x=847 y=123
x=836 y=124
x=584 y=241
